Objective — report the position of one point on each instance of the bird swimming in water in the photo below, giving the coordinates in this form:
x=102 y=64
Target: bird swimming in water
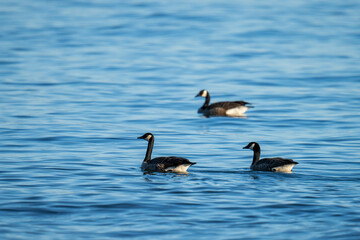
x=229 y=109
x=162 y=164
x=269 y=164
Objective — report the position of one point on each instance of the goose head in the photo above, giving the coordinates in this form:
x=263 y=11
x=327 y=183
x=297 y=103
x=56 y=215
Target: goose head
x=146 y=136
x=202 y=93
x=252 y=146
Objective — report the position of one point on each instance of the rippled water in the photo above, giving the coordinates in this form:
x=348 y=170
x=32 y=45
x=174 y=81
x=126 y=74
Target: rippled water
x=80 y=81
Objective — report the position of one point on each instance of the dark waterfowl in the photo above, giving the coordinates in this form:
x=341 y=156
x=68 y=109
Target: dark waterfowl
x=269 y=164
x=162 y=164
x=230 y=109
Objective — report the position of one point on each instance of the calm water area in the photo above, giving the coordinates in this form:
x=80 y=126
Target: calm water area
x=81 y=80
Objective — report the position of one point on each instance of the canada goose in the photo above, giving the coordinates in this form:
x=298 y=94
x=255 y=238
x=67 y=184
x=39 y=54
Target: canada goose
x=162 y=164
x=231 y=109
x=269 y=164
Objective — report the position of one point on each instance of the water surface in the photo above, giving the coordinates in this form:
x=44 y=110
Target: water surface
x=80 y=81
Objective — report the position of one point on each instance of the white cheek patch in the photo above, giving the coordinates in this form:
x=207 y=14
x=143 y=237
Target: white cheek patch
x=252 y=146
x=148 y=137
x=204 y=93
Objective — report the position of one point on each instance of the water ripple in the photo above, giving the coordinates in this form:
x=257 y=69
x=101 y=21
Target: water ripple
x=80 y=81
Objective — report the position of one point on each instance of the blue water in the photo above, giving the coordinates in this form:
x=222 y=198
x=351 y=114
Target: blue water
x=81 y=80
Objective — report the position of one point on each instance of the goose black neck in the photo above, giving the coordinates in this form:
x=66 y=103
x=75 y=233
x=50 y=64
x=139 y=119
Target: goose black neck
x=207 y=101
x=149 y=149
x=257 y=152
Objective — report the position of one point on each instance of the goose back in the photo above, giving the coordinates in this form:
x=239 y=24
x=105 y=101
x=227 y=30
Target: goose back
x=274 y=164
x=233 y=109
x=167 y=164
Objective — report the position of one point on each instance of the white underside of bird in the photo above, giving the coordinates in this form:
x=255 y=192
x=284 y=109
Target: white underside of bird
x=236 y=112
x=286 y=168
x=178 y=169
x=174 y=169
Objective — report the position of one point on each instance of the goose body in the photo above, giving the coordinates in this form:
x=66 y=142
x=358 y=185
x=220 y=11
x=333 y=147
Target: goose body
x=269 y=164
x=230 y=109
x=162 y=164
